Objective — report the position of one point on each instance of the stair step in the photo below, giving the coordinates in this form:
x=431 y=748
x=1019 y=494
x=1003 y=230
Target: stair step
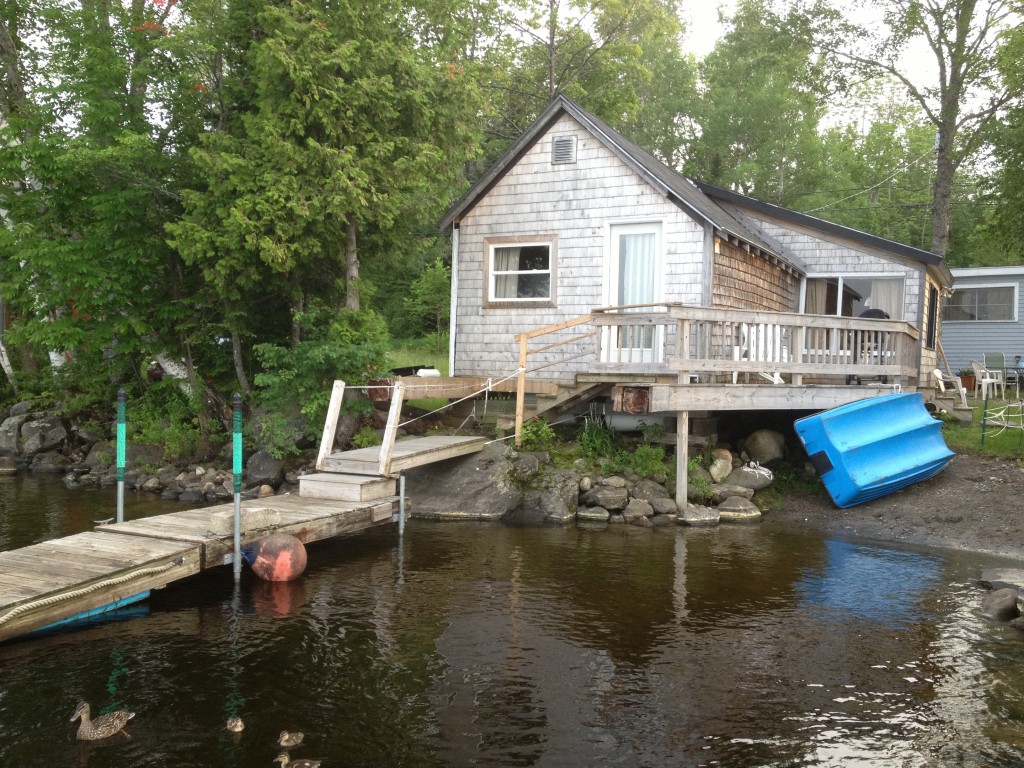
x=346 y=487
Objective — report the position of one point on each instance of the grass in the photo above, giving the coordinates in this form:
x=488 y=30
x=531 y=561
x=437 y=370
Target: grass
x=966 y=438
x=410 y=353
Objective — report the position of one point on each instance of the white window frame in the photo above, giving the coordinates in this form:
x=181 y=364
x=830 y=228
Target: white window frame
x=611 y=348
x=491 y=244
x=1015 y=287
x=840 y=278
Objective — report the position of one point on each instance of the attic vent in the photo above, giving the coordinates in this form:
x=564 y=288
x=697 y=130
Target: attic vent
x=563 y=150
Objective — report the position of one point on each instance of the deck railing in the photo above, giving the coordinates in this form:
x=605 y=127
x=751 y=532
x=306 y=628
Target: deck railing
x=715 y=345
x=705 y=345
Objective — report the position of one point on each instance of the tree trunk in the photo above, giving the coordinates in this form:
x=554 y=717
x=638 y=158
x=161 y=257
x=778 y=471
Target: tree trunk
x=352 y=267
x=5 y=363
x=236 y=356
x=942 y=193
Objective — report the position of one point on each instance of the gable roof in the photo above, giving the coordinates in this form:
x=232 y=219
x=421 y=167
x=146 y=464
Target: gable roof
x=678 y=189
x=920 y=255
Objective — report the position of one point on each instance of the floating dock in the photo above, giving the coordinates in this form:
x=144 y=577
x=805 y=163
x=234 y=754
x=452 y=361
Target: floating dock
x=80 y=574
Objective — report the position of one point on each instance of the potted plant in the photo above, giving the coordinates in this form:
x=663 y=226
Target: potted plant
x=967 y=378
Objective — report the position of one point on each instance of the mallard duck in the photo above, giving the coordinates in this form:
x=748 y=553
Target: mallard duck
x=289 y=739
x=103 y=726
x=235 y=725
x=284 y=760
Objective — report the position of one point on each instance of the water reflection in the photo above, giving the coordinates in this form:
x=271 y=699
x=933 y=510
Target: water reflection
x=469 y=644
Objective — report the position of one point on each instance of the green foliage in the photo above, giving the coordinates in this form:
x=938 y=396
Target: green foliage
x=430 y=299
x=366 y=437
x=651 y=432
x=297 y=380
x=165 y=416
x=595 y=441
x=537 y=435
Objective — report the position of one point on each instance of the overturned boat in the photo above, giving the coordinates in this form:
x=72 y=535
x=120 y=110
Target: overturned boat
x=873 y=447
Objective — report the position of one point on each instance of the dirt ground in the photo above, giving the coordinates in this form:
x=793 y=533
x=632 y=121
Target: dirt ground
x=976 y=504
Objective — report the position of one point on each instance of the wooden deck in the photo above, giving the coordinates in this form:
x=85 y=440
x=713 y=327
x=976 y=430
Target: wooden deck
x=62 y=578
x=405 y=454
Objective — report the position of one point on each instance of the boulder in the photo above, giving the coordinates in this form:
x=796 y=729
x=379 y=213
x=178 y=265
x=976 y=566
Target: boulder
x=720 y=493
x=42 y=435
x=750 y=476
x=263 y=469
x=720 y=468
x=554 y=498
x=697 y=514
x=637 y=508
x=51 y=461
x=593 y=514
x=765 y=445
x=612 y=499
x=648 y=490
x=736 y=509
x=1001 y=605
x=665 y=506
x=10 y=432
x=478 y=487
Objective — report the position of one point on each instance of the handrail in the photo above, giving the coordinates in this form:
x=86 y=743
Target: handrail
x=710 y=340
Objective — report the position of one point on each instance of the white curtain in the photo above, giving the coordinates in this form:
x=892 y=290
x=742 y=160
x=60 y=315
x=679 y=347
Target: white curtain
x=887 y=295
x=636 y=268
x=506 y=260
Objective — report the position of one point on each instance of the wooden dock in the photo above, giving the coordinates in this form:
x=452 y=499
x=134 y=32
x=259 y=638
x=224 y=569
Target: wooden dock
x=55 y=580
x=87 y=572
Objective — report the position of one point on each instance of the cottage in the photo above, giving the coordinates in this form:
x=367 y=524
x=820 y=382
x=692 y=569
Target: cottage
x=984 y=315
x=584 y=267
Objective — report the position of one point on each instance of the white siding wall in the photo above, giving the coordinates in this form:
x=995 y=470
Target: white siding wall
x=576 y=202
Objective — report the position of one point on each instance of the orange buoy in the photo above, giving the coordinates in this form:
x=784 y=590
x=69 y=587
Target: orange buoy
x=278 y=557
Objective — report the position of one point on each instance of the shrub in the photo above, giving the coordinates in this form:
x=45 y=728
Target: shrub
x=537 y=435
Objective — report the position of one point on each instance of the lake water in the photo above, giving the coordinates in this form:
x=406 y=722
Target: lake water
x=468 y=644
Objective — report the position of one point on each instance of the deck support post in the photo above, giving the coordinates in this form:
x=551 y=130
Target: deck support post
x=401 y=503
x=682 y=457
x=523 y=340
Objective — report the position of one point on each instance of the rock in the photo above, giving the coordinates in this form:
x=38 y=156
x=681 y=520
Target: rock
x=586 y=484
x=643 y=522
x=615 y=481
x=51 y=461
x=1001 y=605
x=191 y=495
x=152 y=485
x=554 y=499
x=736 y=509
x=637 y=508
x=10 y=432
x=1000 y=578
x=753 y=477
x=664 y=506
x=478 y=487
x=42 y=435
x=100 y=456
x=660 y=520
x=593 y=514
x=612 y=499
x=648 y=490
x=697 y=514
x=265 y=491
x=263 y=469
x=21 y=409
x=8 y=466
x=721 y=492
x=616 y=519
x=765 y=445
x=720 y=469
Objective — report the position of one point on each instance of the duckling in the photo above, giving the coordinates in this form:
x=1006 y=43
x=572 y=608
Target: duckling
x=103 y=726
x=289 y=739
x=284 y=760
x=235 y=725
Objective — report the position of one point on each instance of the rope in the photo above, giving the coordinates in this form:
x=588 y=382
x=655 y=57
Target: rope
x=53 y=599
x=460 y=400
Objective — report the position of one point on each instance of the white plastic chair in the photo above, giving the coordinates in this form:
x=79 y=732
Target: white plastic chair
x=942 y=380
x=984 y=378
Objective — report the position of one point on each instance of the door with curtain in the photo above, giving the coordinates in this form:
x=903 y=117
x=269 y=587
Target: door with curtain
x=633 y=278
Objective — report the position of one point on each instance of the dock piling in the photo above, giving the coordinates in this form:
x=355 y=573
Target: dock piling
x=237 y=479
x=121 y=438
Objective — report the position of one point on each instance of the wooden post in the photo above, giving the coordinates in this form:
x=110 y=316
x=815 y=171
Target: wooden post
x=391 y=430
x=521 y=387
x=682 y=457
x=330 y=423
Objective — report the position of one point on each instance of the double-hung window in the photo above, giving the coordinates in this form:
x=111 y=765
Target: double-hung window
x=520 y=270
x=989 y=303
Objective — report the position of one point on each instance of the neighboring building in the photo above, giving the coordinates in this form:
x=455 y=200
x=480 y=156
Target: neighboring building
x=984 y=314
x=576 y=216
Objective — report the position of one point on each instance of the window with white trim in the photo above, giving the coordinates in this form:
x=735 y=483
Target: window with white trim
x=984 y=303
x=855 y=296
x=520 y=271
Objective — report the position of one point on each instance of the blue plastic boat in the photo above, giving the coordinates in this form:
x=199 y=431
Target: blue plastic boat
x=873 y=447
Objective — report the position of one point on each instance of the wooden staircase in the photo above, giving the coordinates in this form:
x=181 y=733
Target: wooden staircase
x=367 y=474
